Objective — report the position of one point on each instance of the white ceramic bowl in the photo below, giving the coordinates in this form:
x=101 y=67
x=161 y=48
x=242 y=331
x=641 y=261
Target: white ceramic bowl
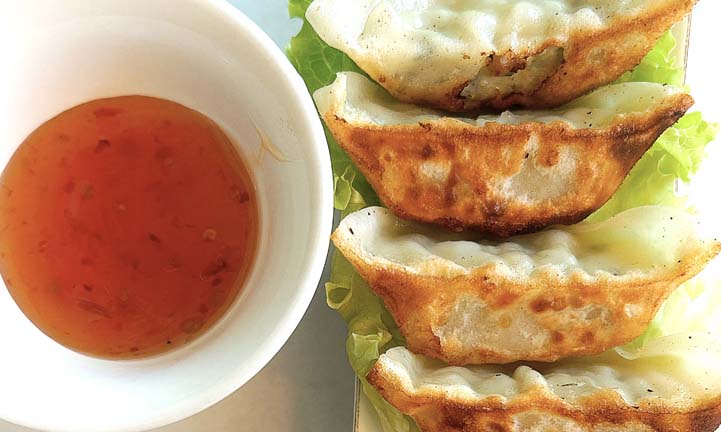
x=208 y=56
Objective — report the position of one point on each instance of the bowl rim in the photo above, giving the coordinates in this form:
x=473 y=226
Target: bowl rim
x=317 y=250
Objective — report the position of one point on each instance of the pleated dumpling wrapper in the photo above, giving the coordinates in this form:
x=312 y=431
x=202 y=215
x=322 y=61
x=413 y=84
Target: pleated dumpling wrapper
x=501 y=174
x=567 y=291
x=465 y=55
x=671 y=384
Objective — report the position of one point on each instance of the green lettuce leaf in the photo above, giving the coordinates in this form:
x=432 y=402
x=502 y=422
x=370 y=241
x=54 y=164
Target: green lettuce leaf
x=693 y=307
x=678 y=152
x=676 y=156
x=673 y=158
x=371 y=329
x=317 y=63
x=659 y=66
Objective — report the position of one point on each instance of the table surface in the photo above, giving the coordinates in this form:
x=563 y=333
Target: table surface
x=309 y=385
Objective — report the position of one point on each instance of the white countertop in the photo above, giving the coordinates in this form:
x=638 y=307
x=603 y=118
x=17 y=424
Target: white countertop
x=309 y=386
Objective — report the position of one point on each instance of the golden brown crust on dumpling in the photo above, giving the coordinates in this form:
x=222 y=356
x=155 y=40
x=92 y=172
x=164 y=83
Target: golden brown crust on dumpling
x=560 y=311
x=590 y=59
x=464 y=56
x=611 y=395
x=492 y=312
x=537 y=411
x=478 y=159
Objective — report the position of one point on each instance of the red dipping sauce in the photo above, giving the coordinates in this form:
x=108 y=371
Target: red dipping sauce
x=127 y=226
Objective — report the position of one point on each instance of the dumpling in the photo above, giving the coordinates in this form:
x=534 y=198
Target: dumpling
x=465 y=55
x=672 y=384
x=501 y=174
x=567 y=291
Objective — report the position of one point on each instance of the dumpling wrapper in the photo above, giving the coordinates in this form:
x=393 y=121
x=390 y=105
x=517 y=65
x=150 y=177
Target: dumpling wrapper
x=567 y=291
x=672 y=384
x=501 y=174
x=465 y=55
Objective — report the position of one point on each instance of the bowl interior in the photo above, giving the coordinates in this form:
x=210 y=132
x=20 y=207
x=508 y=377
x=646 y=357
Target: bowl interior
x=207 y=56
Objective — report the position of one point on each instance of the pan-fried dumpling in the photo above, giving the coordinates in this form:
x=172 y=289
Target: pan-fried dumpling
x=465 y=55
x=672 y=384
x=502 y=174
x=567 y=291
